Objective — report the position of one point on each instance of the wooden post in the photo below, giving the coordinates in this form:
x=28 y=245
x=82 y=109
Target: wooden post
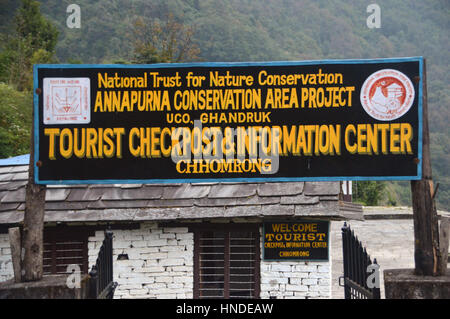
x=426 y=233
x=33 y=227
x=444 y=238
x=16 y=252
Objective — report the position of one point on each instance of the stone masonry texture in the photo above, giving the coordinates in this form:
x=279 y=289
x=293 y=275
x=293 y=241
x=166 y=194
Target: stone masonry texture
x=159 y=265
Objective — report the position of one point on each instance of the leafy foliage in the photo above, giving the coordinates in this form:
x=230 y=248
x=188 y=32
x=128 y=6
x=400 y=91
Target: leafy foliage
x=33 y=41
x=31 y=24
x=369 y=192
x=15 y=121
x=163 y=41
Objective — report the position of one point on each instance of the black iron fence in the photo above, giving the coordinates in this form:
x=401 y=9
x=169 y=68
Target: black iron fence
x=101 y=283
x=356 y=269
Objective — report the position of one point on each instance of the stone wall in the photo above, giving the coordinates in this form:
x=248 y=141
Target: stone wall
x=298 y=280
x=159 y=261
x=6 y=268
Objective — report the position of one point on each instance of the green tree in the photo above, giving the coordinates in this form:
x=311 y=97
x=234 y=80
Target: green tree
x=15 y=121
x=33 y=41
x=163 y=41
x=369 y=192
x=31 y=24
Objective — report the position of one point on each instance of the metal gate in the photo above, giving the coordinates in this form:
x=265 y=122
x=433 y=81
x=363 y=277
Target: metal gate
x=356 y=262
x=101 y=284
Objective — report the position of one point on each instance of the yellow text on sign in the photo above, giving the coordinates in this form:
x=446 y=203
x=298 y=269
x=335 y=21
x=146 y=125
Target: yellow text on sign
x=85 y=142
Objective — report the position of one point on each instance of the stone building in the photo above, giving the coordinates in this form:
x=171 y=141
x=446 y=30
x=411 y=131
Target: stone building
x=176 y=240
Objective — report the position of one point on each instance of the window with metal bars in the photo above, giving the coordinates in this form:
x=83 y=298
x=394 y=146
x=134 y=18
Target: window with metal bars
x=226 y=262
x=64 y=247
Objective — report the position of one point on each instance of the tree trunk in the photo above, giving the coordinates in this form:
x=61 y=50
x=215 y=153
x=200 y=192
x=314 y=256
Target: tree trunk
x=444 y=236
x=16 y=252
x=33 y=228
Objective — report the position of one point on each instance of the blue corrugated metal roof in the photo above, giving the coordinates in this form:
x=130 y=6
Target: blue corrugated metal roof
x=17 y=160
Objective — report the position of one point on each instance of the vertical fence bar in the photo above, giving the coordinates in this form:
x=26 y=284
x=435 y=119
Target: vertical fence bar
x=362 y=268
x=109 y=235
x=109 y=259
x=352 y=260
x=101 y=267
x=366 y=264
x=357 y=278
x=345 y=254
x=93 y=283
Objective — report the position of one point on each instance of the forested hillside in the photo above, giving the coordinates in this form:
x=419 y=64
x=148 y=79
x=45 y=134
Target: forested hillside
x=250 y=30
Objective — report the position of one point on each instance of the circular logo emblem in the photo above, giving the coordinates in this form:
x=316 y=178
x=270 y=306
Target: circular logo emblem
x=387 y=94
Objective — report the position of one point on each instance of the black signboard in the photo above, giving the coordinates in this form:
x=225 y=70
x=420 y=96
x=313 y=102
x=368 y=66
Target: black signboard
x=275 y=121
x=298 y=240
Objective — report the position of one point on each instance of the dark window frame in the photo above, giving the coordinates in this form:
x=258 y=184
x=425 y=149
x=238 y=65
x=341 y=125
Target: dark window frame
x=54 y=236
x=227 y=228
